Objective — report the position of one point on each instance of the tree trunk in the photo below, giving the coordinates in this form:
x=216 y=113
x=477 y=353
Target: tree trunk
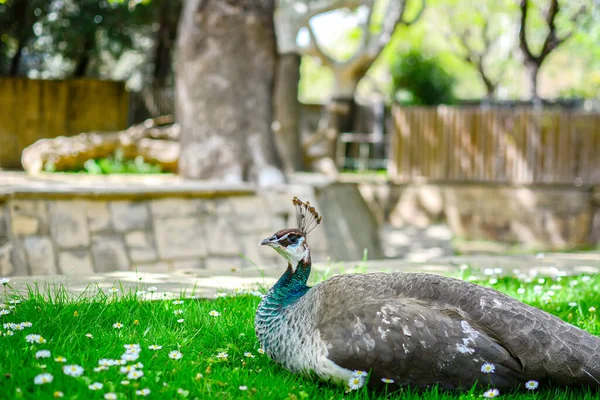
x=224 y=85
x=533 y=70
x=16 y=60
x=169 y=10
x=286 y=124
x=84 y=60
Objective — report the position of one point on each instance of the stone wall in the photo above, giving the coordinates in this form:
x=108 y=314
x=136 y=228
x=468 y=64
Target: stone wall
x=79 y=229
x=544 y=217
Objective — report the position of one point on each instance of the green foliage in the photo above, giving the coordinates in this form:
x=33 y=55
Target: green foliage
x=115 y=164
x=421 y=80
x=63 y=321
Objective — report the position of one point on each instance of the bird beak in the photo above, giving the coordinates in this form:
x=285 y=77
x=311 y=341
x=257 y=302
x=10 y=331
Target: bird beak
x=268 y=241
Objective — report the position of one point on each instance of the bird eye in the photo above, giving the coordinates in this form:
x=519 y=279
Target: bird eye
x=293 y=239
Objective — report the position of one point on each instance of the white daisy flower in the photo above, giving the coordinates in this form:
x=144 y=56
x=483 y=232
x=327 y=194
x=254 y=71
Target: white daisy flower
x=222 y=355
x=4 y=312
x=214 y=313
x=180 y=321
x=95 y=386
x=73 y=370
x=127 y=369
x=117 y=325
x=130 y=356
x=135 y=374
x=488 y=368
x=42 y=354
x=58 y=394
x=89 y=335
x=490 y=394
x=355 y=383
x=9 y=325
x=177 y=312
x=175 y=354
x=4 y=281
x=198 y=376
x=133 y=348
x=572 y=304
x=152 y=289
x=9 y=333
x=14 y=301
x=243 y=388
x=35 y=339
x=124 y=382
x=387 y=380
x=42 y=366
x=178 y=302
x=531 y=385
x=592 y=309
x=138 y=365
x=110 y=396
x=140 y=293
x=359 y=374
x=60 y=359
x=143 y=392
x=113 y=290
x=154 y=347
x=105 y=362
x=100 y=368
x=221 y=294
x=261 y=351
x=585 y=278
x=27 y=324
x=248 y=354
x=43 y=378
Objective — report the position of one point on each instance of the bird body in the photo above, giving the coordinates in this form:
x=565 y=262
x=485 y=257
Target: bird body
x=417 y=329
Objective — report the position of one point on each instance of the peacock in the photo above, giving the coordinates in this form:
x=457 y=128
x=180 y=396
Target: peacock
x=412 y=329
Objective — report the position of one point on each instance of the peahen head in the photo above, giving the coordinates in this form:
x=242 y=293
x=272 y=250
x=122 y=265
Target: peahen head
x=291 y=243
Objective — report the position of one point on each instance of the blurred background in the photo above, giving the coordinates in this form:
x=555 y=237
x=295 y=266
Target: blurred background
x=447 y=125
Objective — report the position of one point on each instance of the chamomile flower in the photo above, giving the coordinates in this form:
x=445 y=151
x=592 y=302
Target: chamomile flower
x=359 y=374
x=42 y=354
x=100 y=368
x=117 y=325
x=177 y=312
x=572 y=304
x=35 y=339
x=180 y=321
x=243 y=388
x=4 y=281
x=261 y=351
x=110 y=396
x=113 y=290
x=387 y=380
x=143 y=392
x=178 y=302
x=43 y=378
x=248 y=354
x=135 y=374
x=27 y=324
x=95 y=386
x=4 y=312
x=214 y=313
x=490 y=394
x=221 y=294
x=130 y=356
x=222 y=355
x=592 y=309
x=488 y=368
x=521 y=290
x=89 y=335
x=73 y=370
x=198 y=376
x=127 y=369
x=138 y=365
x=60 y=359
x=175 y=354
x=105 y=362
x=355 y=383
x=124 y=382
x=152 y=289
x=531 y=385
x=58 y=394
x=140 y=293
x=133 y=347
x=154 y=347
x=9 y=333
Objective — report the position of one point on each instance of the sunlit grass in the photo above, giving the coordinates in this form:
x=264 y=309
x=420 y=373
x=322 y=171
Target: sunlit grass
x=82 y=331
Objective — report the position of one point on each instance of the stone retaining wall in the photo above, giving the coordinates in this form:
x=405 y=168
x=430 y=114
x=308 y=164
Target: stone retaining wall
x=75 y=228
x=540 y=216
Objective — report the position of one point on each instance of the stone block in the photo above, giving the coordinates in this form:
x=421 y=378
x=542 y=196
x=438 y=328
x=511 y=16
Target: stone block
x=40 y=254
x=68 y=223
x=75 y=262
x=222 y=206
x=223 y=263
x=6 y=265
x=253 y=254
x=109 y=254
x=175 y=207
x=4 y=236
x=140 y=246
x=28 y=217
x=98 y=217
x=188 y=265
x=248 y=205
x=17 y=258
x=128 y=215
x=178 y=238
x=158 y=267
x=259 y=222
x=221 y=237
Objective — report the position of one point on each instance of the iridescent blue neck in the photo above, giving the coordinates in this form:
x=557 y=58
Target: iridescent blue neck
x=288 y=289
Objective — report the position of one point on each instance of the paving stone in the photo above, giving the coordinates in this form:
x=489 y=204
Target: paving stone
x=220 y=264
x=75 y=262
x=98 y=216
x=28 y=217
x=221 y=237
x=178 y=238
x=68 y=226
x=109 y=254
x=172 y=207
x=140 y=246
x=158 y=267
x=188 y=265
x=128 y=215
x=40 y=254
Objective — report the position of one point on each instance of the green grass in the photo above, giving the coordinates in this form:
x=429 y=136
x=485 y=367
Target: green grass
x=64 y=322
x=116 y=163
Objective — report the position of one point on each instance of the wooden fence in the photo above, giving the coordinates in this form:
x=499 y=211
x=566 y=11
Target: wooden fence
x=520 y=146
x=34 y=109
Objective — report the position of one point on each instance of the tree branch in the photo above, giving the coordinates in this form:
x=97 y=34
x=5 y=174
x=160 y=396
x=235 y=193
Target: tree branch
x=314 y=8
x=315 y=50
x=523 y=43
x=417 y=16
